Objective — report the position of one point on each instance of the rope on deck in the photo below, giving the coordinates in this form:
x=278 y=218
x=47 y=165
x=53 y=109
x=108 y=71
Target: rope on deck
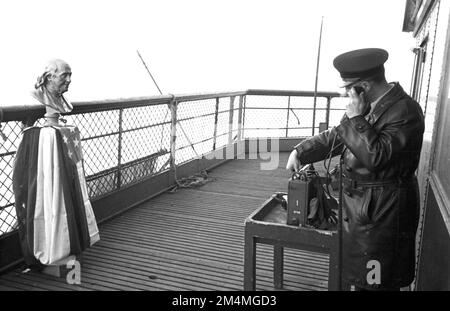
x=194 y=181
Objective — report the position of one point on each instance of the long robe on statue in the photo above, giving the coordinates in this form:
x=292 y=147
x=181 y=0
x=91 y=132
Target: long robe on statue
x=55 y=215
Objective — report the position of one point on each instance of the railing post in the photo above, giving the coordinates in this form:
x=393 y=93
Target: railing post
x=240 y=115
x=216 y=118
x=287 y=116
x=243 y=117
x=230 y=124
x=314 y=117
x=327 y=117
x=173 y=136
x=119 y=151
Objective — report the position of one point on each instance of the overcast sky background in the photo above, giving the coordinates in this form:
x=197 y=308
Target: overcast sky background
x=193 y=46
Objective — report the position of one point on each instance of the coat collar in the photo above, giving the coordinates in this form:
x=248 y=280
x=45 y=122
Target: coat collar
x=391 y=98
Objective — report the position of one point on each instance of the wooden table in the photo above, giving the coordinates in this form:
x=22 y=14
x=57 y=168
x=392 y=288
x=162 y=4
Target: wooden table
x=267 y=225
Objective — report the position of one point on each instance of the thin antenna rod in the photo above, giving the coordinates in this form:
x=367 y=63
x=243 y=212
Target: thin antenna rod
x=317 y=77
x=149 y=72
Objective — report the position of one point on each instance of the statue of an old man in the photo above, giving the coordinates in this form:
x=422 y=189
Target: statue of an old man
x=55 y=216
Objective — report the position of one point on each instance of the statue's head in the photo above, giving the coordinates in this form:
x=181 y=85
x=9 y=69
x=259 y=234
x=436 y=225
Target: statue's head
x=56 y=77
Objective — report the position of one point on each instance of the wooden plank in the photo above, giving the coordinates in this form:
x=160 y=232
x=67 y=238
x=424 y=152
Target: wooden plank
x=48 y=282
x=7 y=289
x=22 y=284
x=16 y=286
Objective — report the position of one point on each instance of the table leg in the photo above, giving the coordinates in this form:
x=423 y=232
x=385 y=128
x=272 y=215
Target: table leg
x=278 y=262
x=249 y=263
x=334 y=269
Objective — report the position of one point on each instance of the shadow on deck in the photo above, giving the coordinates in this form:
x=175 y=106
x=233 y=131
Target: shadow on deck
x=192 y=239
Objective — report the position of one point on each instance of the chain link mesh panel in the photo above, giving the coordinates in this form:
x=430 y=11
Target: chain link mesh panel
x=337 y=110
x=96 y=124
x=284 y=116
x=100 y=140
x=8 y=149
x=145 y=142
x=6 y=165
x=12 y=132
x=223 y=123
x=265 y=116
x=8 y=219
x=195 y=129
x=140 y=117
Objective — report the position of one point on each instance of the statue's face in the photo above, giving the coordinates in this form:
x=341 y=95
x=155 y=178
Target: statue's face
x=60 y=80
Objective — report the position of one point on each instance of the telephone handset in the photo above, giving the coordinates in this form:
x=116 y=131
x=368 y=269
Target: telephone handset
x=358 y=89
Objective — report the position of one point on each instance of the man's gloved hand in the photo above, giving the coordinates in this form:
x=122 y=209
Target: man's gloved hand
x=293 y=164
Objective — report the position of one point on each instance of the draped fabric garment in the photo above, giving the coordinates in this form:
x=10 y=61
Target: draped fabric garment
x=52 y=204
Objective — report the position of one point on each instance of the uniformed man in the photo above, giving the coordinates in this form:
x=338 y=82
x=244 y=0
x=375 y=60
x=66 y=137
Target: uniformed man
x=379 y=139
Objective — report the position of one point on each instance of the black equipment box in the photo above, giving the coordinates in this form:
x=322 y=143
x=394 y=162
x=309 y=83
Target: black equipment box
x=300 y=192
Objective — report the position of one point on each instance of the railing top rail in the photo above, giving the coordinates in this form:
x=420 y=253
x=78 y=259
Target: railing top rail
x=265 y=92
x=20 y=112
x=109 y=104
x=192 y=97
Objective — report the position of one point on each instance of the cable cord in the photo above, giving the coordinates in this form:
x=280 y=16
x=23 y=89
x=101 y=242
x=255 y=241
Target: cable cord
x=327 y=166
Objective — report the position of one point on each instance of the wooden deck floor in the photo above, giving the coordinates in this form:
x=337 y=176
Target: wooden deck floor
x=192 y=239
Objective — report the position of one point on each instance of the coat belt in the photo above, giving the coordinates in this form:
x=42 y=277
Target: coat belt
x=353 y=183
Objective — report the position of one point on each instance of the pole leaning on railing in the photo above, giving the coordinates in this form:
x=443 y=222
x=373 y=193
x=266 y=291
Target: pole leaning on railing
x=317 y=78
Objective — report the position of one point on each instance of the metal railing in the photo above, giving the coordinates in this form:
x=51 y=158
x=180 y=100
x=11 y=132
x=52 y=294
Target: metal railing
x=126 y=141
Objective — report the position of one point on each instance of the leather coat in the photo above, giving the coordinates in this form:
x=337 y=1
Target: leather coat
x=379 y=156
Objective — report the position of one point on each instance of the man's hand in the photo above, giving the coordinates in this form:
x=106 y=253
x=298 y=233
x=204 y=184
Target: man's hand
x=357 y=104
x=293 y=164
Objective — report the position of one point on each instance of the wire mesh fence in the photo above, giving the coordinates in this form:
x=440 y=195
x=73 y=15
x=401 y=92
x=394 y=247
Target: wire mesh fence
x=123 y=146
x=12 y=131
x=293 y=115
